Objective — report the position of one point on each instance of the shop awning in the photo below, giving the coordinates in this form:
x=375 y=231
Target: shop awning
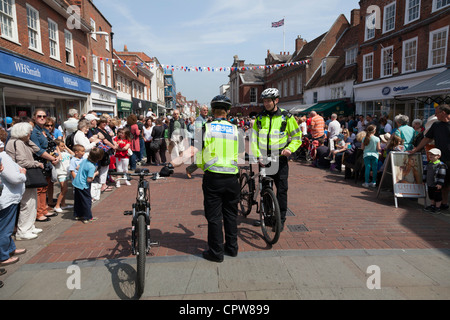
x=328 y=108
x=436 y=86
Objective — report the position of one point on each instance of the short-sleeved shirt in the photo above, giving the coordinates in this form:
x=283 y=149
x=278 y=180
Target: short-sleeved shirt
x=317 y=127
x=87 y=170
x=440 y=133
x=74 y=163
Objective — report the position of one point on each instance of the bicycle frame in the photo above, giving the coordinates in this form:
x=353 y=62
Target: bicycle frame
x=263 y=182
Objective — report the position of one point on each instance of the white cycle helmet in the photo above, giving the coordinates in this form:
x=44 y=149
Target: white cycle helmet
x=270 y=93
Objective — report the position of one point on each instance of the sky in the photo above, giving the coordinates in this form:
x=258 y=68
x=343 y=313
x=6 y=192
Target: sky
x=209 y=33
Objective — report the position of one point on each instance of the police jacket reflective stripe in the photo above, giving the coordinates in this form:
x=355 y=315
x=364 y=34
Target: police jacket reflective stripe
x=271 y=133
x=220 y=148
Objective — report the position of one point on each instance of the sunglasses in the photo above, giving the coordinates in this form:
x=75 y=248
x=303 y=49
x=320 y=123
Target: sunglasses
x=41 y=117
x=48 y=125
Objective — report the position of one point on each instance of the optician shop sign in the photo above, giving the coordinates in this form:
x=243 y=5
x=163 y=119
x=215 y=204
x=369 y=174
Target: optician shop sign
x=14 y=66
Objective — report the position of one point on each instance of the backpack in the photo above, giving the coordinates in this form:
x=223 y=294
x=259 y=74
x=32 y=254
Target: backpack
x=70 y=140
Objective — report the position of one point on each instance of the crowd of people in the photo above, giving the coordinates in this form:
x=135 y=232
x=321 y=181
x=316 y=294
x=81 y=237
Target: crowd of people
x=341 y=140
x=85 y=148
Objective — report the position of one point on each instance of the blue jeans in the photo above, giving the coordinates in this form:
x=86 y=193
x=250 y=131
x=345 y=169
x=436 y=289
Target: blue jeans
x=142 y=146
x=7 y=223
x=371 y=164
x=133 y=159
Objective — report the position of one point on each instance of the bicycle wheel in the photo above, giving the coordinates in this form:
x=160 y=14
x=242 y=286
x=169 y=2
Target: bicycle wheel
x=141 y=254
x=245 y=200
x=270 y=216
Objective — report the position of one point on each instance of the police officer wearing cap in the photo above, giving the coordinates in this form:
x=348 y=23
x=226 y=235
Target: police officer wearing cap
x=276 y=135
x=219 y=160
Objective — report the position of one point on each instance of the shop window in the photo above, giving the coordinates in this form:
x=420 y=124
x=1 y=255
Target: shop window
x=8 y=20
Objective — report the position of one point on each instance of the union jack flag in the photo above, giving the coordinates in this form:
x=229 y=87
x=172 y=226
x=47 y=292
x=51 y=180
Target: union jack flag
x=278 y=24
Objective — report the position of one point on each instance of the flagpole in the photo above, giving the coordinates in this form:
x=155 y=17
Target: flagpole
x=284 y=35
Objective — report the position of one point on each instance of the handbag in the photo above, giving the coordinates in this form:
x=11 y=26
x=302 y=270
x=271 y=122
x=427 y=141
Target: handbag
x=155 y=145
x=35 y=176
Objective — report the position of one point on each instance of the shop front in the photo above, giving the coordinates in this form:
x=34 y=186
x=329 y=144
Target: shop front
x=103 y=100
x=124 y=108
x=141 y=107
x=26 y=85
x=379 y=97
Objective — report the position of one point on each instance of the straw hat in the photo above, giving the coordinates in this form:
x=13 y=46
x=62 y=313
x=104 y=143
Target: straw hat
x=385 y=137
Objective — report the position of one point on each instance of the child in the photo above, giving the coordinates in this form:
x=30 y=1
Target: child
x=123 y=140
x=371 y=146
x=62 y=172
x=78 y=151
x=341 y=146
x=434 y=177
x=82 y=186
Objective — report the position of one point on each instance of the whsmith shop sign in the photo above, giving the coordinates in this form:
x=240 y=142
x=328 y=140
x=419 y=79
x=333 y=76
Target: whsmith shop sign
x=14 y=66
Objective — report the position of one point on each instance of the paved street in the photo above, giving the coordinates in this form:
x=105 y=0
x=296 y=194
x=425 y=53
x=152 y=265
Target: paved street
x=335 y=231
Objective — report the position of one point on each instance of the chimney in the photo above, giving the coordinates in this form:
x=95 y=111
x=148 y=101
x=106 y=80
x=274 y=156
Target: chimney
x=355 y=17
x=299 y=43
x=125 y=48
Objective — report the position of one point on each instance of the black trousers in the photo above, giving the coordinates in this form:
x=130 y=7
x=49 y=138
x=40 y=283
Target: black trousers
x=281 y=183
x=221 y=197
x=82 y=203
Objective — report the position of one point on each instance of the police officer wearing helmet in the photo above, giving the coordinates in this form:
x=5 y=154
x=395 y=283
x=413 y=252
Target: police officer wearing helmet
x=219 y=160
x=276 y=134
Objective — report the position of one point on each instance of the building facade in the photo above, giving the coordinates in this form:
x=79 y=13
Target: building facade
x=401 y=44
x=103 y=98
x=43 y=59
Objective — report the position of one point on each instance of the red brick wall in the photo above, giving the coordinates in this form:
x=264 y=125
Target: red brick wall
x=45 y=12
x=402 y=32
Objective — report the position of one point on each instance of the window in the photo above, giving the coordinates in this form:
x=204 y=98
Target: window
x=8 y=21
x=324 y=67
x=107 y=43
x=409 y=55
x=412 y=11
x=119 y=83
x=389 y=17
x=337 y=93
x=69 y=47
x=34 y=32
x=315 y=97
x=253 y=95
x=299 y=84
x=93 y=35
x=350 y=56
x=102 y=72
x=387 y=61
x=368 y=67
x=439 y=4
x=285 y=88
x=438 y=47
x=95 y=68
x=370 y=23
x=108 y=75
x=291 y=86
x=54 y=39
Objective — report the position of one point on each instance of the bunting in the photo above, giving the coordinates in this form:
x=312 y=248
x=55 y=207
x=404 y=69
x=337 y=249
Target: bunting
x=133 y=64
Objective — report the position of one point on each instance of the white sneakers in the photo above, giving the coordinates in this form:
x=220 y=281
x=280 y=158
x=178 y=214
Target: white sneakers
x=118 y=184
x=371 y=185
x=128 y=183
x=26 y=236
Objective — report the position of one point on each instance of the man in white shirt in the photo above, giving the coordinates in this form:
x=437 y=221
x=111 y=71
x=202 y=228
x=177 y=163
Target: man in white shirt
x=334 y=128
x=71 y=125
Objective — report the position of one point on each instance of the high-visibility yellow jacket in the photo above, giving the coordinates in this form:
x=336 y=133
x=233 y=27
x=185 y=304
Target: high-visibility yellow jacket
x=220 y=148
x=272 y=133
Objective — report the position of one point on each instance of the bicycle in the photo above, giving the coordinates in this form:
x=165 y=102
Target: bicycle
x=140 y=226
x=267 y=207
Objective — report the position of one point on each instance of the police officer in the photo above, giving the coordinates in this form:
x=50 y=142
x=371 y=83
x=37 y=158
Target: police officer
x=276 y=134
x=221 y=190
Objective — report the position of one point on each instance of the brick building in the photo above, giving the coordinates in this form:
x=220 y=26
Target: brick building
x=43 y=59
x=103 y=98
x=401 y=44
